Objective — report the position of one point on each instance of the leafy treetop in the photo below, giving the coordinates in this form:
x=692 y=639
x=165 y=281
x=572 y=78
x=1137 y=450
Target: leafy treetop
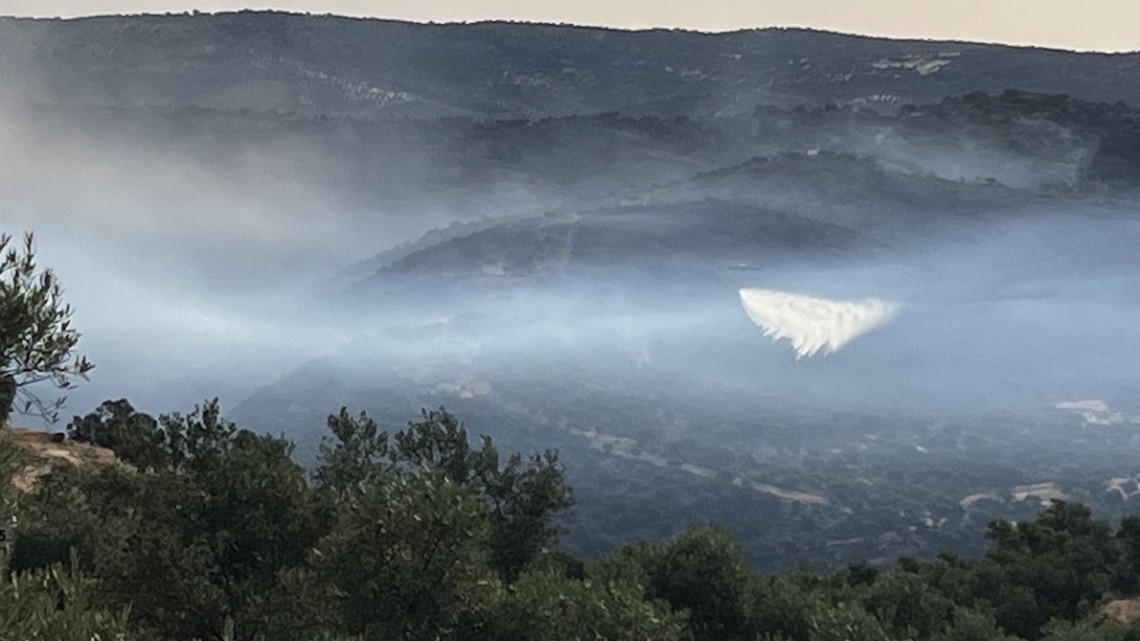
x=37 y=340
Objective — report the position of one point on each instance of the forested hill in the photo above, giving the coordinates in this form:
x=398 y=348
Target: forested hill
x=547 y=230
x=203 y=530
x=377 y=68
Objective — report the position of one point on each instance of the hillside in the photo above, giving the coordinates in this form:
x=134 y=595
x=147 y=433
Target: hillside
x=380 y=69
x=423 y=532
x=545 y=232
x=40 y=452
x=546 y=228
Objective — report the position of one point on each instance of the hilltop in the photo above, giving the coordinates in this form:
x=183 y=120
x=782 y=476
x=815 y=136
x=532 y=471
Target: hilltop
x=41 y=452
x=336 y=66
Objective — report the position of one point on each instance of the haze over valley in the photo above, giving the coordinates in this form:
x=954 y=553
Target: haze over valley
x=853 y=297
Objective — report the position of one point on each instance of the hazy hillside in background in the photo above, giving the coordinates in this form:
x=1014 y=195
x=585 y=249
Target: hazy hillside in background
x=545 y=230
x=341 y=66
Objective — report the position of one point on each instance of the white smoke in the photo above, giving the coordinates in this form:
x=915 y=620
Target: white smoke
x=814 y=325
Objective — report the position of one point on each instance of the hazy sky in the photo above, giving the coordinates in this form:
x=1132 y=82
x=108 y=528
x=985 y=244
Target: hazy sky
x=1106 y=25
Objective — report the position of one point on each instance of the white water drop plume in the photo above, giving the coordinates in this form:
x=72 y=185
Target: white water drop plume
x=814 y=325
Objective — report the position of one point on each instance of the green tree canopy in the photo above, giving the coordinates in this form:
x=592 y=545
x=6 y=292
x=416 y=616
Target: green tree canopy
x=37 y=341
x=192 y=540
x=524 y=495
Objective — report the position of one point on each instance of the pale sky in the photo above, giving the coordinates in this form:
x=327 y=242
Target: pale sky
x=1103 y=25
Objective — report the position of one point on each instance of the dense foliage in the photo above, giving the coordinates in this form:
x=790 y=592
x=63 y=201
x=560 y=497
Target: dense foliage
x=204 y=530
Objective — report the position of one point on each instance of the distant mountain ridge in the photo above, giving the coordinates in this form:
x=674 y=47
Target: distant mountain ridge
x=268 y=61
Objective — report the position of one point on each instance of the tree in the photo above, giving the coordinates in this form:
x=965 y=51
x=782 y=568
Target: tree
x=702 y=572
x=1128 y=570
x=524 y=495
x=36 y=336
x=1059 y=565
x=135 y=437
x=907 y=605
x=844 y=622
x=548 y=606
x=194 y=540
x=969 y=625
x=56 y=603
x=406 y=560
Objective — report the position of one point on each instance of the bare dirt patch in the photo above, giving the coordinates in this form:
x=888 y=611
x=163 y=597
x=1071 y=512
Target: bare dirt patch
x=797 y=496
x=42 y=453
x=1124 y=610
x=974 y=498
x=1044 y=491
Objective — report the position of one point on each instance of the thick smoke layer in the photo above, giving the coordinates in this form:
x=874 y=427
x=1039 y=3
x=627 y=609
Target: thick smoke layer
x=204 y=265
x=814 y=325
